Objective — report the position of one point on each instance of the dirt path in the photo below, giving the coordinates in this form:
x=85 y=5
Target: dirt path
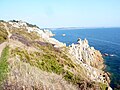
x=2 y=46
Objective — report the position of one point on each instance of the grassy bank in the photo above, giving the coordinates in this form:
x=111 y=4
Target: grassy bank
x=4 y=64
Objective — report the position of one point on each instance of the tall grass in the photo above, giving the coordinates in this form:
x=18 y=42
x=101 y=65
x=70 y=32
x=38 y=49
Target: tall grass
x=4 y=64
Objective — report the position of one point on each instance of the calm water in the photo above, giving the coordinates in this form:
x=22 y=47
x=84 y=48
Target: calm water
x=107 y=40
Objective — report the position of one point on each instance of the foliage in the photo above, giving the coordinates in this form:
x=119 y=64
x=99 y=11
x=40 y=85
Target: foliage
x=3 y=35
x=50 y=64
x=69 y=76
x=103 y=86
x=2 y=21
x=4 y=64
x=31 y=25
x=14 y=21
x=23 y=32
x=49 y=59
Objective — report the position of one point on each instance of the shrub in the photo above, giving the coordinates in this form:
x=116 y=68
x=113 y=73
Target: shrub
x=3 y=35
x=69 y=76
x=103 y=86
x=2 y=21
x=31 y=25
x=14 y=21
x=50 y=64
x=46 y=62
x=50 y=61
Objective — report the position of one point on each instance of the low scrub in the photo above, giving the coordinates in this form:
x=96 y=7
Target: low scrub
x=49 y=61
x=103 y=86
x=3 y=35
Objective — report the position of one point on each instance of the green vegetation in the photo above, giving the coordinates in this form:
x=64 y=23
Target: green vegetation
x=14 y=21
x=60 y=56
x=45 y=56
x=49 y=61
x=69 y=76
x=3 y=35
x=2 y=21
x=43 y=61
x=103 y=86
x=4 y=64
x=31 y=25
x=23 y=32
x=50 y=64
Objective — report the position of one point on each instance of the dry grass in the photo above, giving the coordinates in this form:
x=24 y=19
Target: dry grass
x=23 y=75
x=3 y=35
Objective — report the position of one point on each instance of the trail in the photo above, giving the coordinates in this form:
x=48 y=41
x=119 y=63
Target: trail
x=7 y=29
x=3 y=45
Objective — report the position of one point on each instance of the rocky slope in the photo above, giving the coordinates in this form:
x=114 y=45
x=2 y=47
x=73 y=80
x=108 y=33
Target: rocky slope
x=32 y=60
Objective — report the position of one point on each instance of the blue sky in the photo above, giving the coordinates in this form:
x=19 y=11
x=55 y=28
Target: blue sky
x=63 y=13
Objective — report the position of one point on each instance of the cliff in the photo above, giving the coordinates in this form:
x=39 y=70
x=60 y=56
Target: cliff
x=90 y=59
x=32 y=60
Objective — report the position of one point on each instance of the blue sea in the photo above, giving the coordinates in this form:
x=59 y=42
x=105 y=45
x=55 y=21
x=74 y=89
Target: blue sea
x=106 y=40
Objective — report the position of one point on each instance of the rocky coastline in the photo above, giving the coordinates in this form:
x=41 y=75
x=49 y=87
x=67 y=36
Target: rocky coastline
x=34 y=54
x=91 y=60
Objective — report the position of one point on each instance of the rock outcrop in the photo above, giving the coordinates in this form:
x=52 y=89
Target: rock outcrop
x=86 y=54
x=90 y=59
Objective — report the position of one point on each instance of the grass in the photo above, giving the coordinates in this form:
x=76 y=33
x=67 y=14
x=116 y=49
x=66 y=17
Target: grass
x=49 y=62
x=4 y=64
x=103 y=86
x=46 y=62
x=3 y=35
x=51 y=51
x=49 y=59
x=70 y=77
x=31 y=25
x=23 y=32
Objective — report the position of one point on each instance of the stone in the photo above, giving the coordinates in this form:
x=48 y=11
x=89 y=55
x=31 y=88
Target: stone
x=90 y=59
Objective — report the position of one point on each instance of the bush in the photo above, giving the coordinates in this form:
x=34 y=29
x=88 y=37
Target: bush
x=3 y=35
x=103 y=86
x=50 y=64
x=46 y=62
x=69 y=76
x=31 y=25
x=50 y=61
x=2 y=21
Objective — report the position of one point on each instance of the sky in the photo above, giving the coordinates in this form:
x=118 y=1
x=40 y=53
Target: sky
x=63 y=13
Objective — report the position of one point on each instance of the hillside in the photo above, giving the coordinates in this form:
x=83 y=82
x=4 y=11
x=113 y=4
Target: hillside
x=32 y=60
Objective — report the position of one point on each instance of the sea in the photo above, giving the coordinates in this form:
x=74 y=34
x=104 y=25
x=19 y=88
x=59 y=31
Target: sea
x=106 y=40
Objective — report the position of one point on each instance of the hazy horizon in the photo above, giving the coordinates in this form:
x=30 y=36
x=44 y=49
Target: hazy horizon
x=63 y=13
